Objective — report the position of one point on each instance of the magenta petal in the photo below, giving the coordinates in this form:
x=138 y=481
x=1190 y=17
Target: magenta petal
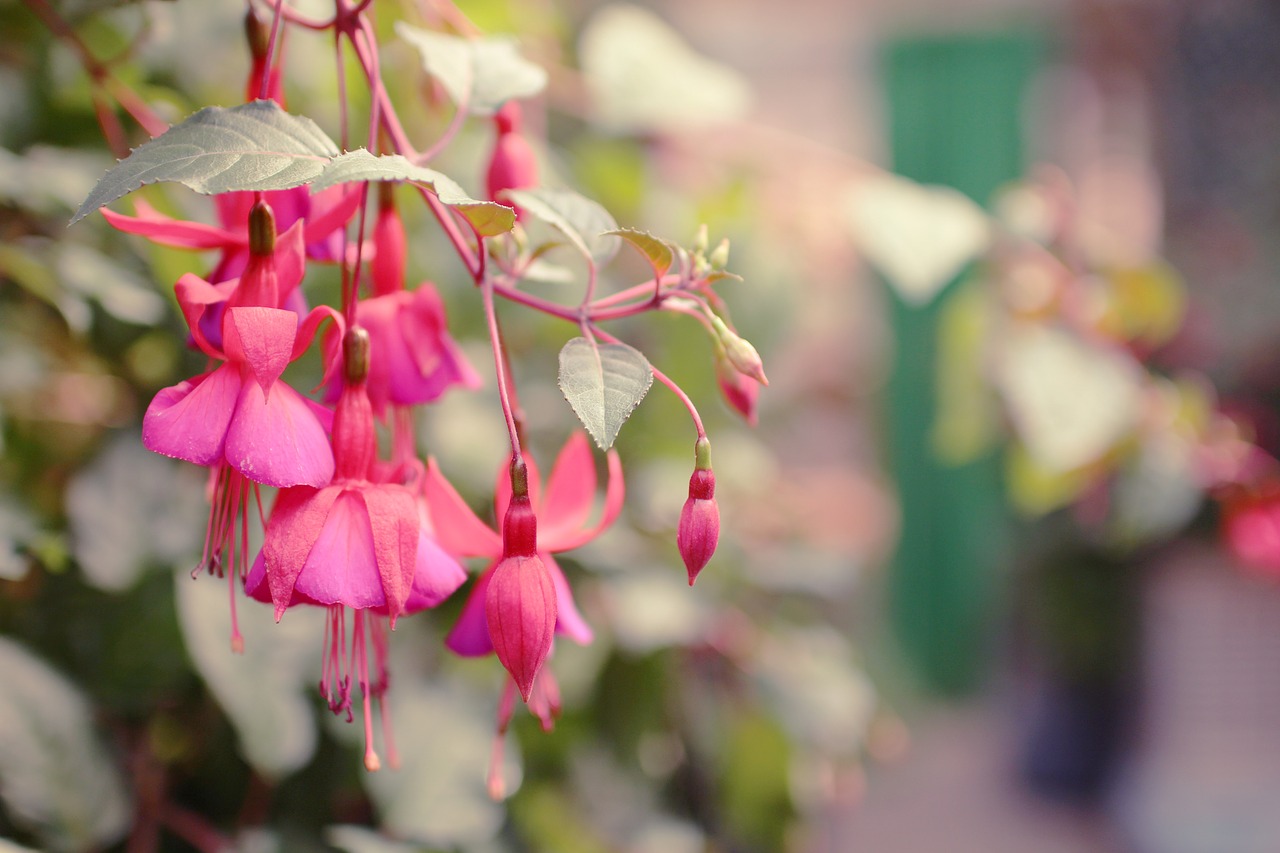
x=563 y=539
x=341 y=567
x=189 y=420
x=394 y=517
x=278 y=441
x=436 y=576
x=262 y=337
x=520 y=607
x=195 y=297
x=296 y=522
x=569 y=621
x=470 y=635
x=571 y=489
x=457 y=528
x=339 y=206
x=290 y=260
x=171 y=232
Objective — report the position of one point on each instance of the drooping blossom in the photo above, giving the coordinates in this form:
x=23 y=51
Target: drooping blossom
x=562 y=514
x=414 y=359
x=699 y=530
x=241 y=419
x=512 y=164
x=355 y=544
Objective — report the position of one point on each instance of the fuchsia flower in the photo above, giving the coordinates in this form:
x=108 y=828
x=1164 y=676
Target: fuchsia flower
x=353 y=543
x=414 y=359
x=699 y=530
x=739 y=390
x=1251 y=527
x=512 y=165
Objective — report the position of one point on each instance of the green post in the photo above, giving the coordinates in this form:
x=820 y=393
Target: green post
x=955 y=115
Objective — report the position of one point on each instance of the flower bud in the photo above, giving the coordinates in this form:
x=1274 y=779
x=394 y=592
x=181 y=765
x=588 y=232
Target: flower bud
x=741 y=354
x=719 y=257
x=512 y=165
x=387 y=269
x=520 y=609
x=740 y=392
x=262 y=230
x=699 y=530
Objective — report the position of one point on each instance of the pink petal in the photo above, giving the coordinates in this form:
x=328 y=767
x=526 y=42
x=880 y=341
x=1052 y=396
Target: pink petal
x=569 y=621
x=290 y=260
x=341 y=205
x=171 y=232
x=195 y=297
x=394 y=517
x=562 y=539
x=307 y=331
x=571 y=490
x=342 y=566
x=189 y=420
x=520 y=607
x=457 y=527
x=436 y=577
x=470 y=635
x=296 y=522
x=233 y=209
x=262 y=337
x=278 y=441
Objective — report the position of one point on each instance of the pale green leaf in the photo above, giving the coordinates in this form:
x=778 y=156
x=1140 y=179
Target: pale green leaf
x=361 y=839
x=658 y=251
x=264 y=691
x=487 y=217
x=254 y=146
x=55 y=776
x=587 y=225
x=603 y=383
x=479 y=74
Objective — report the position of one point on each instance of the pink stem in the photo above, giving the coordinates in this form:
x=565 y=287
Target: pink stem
x=670 y=383
x=504 y=395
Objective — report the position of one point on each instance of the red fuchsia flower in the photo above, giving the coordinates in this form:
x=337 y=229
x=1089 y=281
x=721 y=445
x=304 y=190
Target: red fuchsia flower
x=1251 y=526
x=699 y=530
x=414 y=358
x=512 y=165
x=240 y=419
x=356 y=544
x=562 y=513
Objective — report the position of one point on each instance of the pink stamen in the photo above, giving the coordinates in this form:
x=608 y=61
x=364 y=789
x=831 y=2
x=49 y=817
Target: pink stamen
x=378 y=631
x=506 y=707
x=358 y=651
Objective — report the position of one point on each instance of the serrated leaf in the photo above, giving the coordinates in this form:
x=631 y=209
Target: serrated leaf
x=254 y=146
x=587 y=225
x=603 y=383
x=263 y=691
x=487 y=217
x=55 y=776
x=480 y=74
x=659 y=252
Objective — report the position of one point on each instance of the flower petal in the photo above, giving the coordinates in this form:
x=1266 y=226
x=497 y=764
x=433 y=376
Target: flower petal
x=520 y=607
x=394 y=517
x=278 y=440
x=457 y=528
x=436 y=576
x=561 y=539
x=339 y=205
x=571 y=490
x=196 y=297
x=296 y=522
x=290 y=261
x=263 y=338
x=189 y=420
x=470 y=634
x=168 y=231
x=569 y=621
x=341 y=565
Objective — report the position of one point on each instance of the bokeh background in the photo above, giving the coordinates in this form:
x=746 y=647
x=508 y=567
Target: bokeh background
x=894 y=650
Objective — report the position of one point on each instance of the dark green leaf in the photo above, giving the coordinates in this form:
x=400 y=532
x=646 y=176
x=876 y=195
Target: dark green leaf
x=255 y=146
x=603 y=383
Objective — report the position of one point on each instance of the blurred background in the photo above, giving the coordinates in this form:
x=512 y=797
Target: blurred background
x=972 y=592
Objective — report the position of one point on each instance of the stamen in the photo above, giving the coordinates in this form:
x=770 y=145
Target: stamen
x=371 y=762
x=506 y=706
x=378 y=631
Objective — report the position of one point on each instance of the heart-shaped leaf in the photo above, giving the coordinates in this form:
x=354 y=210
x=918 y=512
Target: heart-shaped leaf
x=658 y=251
x=255 y=146
x=479 y=74
x=603 y=383
x=587 y=225
x=487 y=217
x=918 y=237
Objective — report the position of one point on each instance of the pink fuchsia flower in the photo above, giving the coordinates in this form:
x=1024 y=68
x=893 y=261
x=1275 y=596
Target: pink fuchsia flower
x=699 y=530
x=512 y=165
x=1251 y=527
x=354 y=544
x=740 y=391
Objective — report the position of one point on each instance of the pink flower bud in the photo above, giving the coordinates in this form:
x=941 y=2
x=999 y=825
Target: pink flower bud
x=520 y=608
x=386 y=270
x=740 y=392
x=512 y=166
x=700 y=519
x=739 y=351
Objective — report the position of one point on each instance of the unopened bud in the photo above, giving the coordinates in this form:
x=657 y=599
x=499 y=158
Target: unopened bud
x=257 y=34
x=262 y=230
x=355 y=355
x=719 y=258
x=520 y=608
x=699 y=530
x=741 y=354
x=387 y=269
x=701 y=241
x=519 y=528
x=740 y=392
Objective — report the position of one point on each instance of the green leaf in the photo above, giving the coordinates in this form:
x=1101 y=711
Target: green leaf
x=587 y=225
x=266 y=691
x=254 y=146
x=603 y=383
x=660 y=253
x=479 y=74
x=487 y=217
x=55 y=777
